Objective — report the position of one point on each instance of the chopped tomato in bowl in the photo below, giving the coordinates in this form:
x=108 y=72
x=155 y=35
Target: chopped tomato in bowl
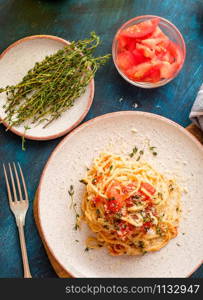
x=148 y=51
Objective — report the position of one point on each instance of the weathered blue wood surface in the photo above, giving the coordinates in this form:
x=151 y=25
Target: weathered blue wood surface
x=73 y=19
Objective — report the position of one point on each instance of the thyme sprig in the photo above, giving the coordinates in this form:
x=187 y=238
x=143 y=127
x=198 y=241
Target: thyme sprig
x=52 y=85
x=74 y=206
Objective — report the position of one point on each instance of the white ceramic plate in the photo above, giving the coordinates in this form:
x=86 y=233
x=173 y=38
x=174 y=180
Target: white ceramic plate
x=179 y=155
x=20 y=57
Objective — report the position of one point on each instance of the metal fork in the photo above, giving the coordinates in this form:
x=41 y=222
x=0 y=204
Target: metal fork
x=19 y=207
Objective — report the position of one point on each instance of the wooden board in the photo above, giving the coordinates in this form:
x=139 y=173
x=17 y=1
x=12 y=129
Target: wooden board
x=60 y=271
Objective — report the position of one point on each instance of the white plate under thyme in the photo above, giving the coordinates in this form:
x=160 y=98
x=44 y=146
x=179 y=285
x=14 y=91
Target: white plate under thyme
x=20 y=57
x=178 y=154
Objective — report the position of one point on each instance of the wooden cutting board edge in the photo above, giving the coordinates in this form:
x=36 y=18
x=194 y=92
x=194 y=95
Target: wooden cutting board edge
x=60 y=271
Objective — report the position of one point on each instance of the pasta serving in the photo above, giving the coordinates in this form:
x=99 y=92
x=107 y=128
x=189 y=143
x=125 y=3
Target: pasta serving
x=131 y=207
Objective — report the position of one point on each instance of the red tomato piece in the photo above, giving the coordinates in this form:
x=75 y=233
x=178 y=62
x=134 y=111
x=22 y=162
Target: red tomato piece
x=125 y=228
x=122 y=42
x=152 y=43
x=149 y=207
x=167 y=70
x=139 y=57
x=175 y=52
x=125 y=43
x=137 y=72
x=166 y=57
x=129 y=202
x=141 y=30
x=161 y=51
x=114 y=191
x=115 y=197
x=114 y=206
x=145 y=51
x=131 y=45
x=146 y=226
x=158 y=33
x=125 y=60
x=98 y=199
x=153 y=74
x=143 y=195
x=128 y=188
x=148 y=187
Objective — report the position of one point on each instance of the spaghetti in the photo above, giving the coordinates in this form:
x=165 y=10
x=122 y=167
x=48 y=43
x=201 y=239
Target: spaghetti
x=131 y=207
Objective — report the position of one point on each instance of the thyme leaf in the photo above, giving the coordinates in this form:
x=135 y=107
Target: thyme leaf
x=134 y=151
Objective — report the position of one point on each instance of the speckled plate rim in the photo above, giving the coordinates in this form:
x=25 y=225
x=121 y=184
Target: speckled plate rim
x=37 y=216
x=82 y=116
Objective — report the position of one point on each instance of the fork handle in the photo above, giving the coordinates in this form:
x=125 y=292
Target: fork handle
x=24 y=251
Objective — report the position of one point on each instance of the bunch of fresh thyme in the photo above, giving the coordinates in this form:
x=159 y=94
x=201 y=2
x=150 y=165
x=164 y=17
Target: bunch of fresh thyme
x=52 y=86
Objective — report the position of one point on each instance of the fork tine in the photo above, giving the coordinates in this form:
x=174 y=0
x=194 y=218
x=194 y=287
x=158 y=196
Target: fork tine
x=18 y=181
x=13 y=183
x=7 y=185
x=23 y=181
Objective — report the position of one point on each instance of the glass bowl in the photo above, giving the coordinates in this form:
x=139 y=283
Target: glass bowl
x=173 y=34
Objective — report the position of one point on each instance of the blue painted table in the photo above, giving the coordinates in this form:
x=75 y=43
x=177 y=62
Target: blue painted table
x=72 y=20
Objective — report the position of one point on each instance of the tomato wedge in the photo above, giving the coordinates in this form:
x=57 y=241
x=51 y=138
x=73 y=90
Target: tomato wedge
x=153 y=74
x=158 y=33
x=141 y=30
x=125 y=43
x=125 y=60
x=175 y=52
x=139 y=72
x=167 y=69
x=139 y=57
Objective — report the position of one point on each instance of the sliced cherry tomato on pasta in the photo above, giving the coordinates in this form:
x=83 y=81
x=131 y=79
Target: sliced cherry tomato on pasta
x=114 y=206
x=98 y=199
x=129 y=202
x=141 y=30
x=142 y=195
x=148 y=187
x=149 y=206
x=114 y=190
x=124 y=228
x=128 y=188
x=147 y=225
x=116 y=196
